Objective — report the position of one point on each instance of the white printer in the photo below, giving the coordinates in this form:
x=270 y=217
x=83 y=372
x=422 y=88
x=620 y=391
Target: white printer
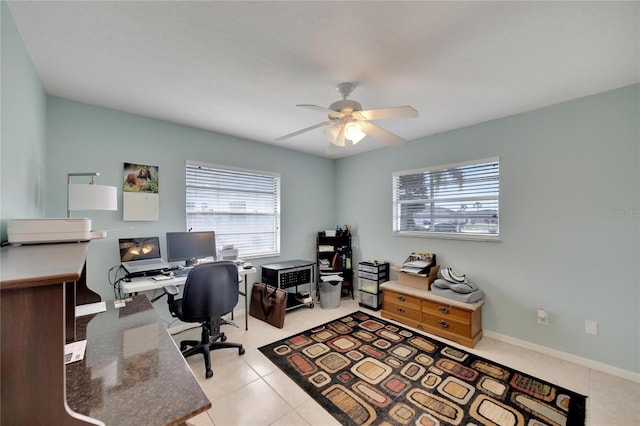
x=37 y=231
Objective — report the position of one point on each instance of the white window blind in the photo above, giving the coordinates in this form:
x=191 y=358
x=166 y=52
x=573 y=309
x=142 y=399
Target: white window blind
x=241 y=206
x=452 y=201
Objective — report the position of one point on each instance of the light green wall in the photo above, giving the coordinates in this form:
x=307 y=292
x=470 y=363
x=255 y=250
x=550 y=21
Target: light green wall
x=569 y=221
x=570 y=206
x=81 y=137
x=22 y=132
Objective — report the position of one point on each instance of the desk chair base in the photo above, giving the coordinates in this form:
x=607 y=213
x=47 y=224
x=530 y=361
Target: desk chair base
x=211 y=339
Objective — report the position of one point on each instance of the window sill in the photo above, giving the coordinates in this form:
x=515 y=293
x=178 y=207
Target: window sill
x=493 y=238
x=261 y=255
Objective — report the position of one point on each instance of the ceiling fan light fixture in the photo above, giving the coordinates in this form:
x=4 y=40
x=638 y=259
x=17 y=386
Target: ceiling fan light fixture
x=335 y=135
x=331 y=133
x=353 y=132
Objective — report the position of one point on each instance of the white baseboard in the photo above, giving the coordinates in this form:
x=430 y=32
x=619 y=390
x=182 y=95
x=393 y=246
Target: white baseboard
x=585 y=362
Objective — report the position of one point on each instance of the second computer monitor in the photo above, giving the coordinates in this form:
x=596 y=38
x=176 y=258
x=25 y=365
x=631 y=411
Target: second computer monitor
x=190 y=246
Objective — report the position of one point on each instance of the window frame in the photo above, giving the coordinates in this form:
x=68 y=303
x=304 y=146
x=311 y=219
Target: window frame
x=220 y=169
x=461 y=197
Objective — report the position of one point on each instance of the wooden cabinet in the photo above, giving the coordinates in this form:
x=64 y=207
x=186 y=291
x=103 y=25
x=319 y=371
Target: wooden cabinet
x=32 y=318
x=36 y=386
x=421 y=309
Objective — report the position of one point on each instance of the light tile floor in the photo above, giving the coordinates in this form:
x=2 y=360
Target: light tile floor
x=249 y=390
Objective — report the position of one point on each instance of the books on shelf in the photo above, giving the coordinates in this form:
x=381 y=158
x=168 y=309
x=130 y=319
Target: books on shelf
x=324 y=264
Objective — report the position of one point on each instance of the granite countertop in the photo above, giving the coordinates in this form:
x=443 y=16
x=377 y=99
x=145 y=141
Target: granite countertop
x=132 y=372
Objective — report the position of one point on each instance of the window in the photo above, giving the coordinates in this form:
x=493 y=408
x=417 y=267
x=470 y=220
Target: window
x=453 y=201
x=241 y=206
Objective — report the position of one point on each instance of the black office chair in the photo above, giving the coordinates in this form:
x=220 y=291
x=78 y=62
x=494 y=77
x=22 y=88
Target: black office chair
x=211 y=290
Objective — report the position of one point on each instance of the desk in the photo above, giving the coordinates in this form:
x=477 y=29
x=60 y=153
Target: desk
x=137 y=285
x=132 y=366
x=32 y=279
x=35 y=390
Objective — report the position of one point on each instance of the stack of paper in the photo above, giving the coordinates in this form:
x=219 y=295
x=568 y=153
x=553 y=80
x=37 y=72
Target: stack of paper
x=418 y=263
x=328 y=278
x=324 y=264
x=74 y=351
x=90 y=308
x=415 y=267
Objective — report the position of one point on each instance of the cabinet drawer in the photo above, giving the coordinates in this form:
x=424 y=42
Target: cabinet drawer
x=449 y=325
x=404 y=311
x=375 y=269
x=367 y=268
x=401 y=318
x=368 y=285
x=446 y=312
x=370 y=300
x=403 y=300
x=402 y=305
x=373 y=276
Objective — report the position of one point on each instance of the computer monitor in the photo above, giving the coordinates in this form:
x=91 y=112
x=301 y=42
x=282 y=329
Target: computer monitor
x=190 y=246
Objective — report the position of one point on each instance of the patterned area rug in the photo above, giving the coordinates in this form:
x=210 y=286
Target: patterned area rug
x=367 y=371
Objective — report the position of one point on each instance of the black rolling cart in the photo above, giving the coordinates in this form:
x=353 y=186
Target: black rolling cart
x=289 y=275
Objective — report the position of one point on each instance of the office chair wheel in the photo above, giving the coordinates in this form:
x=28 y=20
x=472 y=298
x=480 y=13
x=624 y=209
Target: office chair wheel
x=209 y=373
x=241 y=351
x=223 y=338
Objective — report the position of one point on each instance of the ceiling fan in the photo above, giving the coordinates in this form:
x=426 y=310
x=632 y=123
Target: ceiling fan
x=349 y=123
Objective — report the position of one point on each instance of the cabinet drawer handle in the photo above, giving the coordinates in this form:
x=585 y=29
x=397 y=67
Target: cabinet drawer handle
x=402 y=299
x=443 y=309
x=400 y=310
x=444 y=324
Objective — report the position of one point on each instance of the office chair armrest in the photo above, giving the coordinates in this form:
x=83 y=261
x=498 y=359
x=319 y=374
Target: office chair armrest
x=171 y=290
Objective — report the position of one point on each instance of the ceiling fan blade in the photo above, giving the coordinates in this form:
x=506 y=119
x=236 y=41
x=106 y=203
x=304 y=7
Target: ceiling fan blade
x=385 y=113
x=318 y=108
x=381 y=134
x=315 y=126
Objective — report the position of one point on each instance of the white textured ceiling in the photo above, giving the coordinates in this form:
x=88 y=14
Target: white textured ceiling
x=240 y=68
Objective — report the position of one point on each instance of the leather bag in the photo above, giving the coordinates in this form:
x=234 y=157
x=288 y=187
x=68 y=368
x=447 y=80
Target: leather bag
x=268 y=304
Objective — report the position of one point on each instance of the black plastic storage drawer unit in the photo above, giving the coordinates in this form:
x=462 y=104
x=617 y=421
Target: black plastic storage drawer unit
x=370 y=276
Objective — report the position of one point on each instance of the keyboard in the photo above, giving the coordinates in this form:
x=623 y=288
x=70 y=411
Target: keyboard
x=146 y=262
x=179 y=273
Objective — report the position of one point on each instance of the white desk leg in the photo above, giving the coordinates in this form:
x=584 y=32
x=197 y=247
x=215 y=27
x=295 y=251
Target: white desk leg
x=246 y=308
x=245 y=275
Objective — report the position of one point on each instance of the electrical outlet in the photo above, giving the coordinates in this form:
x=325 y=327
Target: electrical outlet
x=542 y=317
x=591 y=327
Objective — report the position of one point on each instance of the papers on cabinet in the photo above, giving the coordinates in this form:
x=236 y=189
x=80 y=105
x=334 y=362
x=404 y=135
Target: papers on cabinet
x=419 y=263
x=415 y=267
